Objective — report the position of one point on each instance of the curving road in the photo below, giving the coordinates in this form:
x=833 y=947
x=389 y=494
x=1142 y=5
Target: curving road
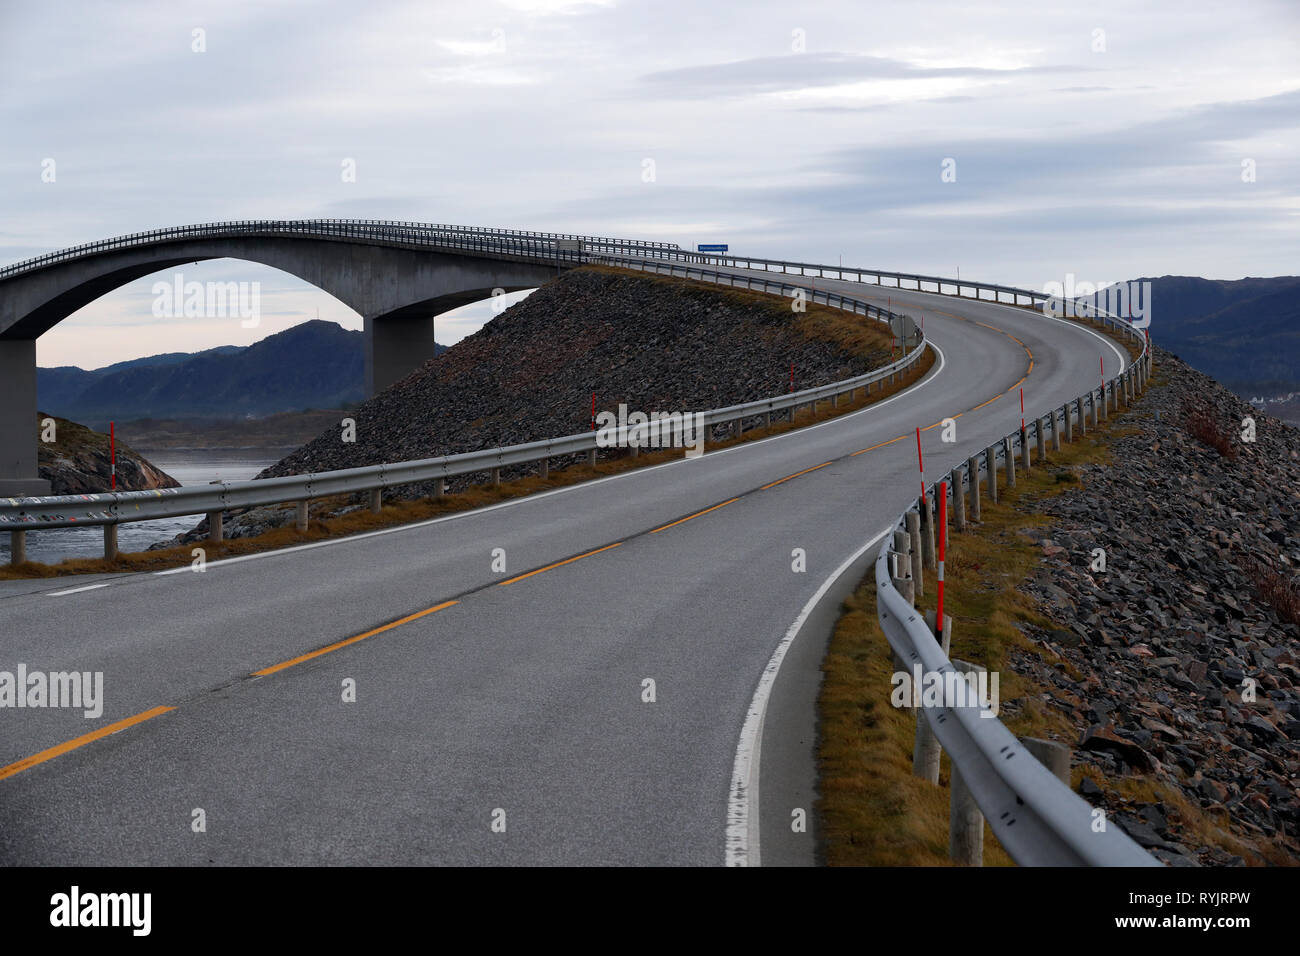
x=479 y=692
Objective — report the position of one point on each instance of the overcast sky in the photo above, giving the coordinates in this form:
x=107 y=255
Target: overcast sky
x=1101 y=139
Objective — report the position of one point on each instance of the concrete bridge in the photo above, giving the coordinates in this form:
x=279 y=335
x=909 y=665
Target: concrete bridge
x=397 y=275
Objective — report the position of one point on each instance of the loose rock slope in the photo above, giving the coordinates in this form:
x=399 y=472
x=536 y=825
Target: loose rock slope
x=1179 y=664
x=654 y=343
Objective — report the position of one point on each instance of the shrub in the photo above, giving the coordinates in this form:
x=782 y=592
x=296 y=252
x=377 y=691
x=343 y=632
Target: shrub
x=1203 y=425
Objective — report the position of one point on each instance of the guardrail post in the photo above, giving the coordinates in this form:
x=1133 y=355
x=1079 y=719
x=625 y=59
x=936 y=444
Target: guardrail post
x=591 y=457
x=301 y=517
x=1052 y=755
x=1056 y=431
x=958 y=499
x=1083 y=420
x=1105 y=401
x=925 y=747
x=991 y=461
x=214 y=527
x=767 y=420
x=110 y=542
x=1040 y=436
x=926 y=509
x=1024 y=449
x=1010 y=462
x=17 y=547
x=914 y=549
x=901 y=571
x=965 y=821
x=1069 y=422
x=1092 y=408
x=973 y=472
x=496 y=477
x=376 y=500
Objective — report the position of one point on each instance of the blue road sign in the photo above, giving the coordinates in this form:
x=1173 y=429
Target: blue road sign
x=716 y=247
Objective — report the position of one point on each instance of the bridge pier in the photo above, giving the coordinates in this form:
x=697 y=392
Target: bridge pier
x=19 y=434
x=395 y=347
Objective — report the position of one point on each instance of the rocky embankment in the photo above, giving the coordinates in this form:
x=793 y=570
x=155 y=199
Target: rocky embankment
x=79 y=462
x=654 y=343
x=529 y=374
x=1179 y=664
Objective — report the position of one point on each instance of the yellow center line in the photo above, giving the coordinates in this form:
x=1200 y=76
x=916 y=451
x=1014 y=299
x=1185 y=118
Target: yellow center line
x=878 y=445
x=274 y=668
x=558 y=564
x=60 y=749
x=795 y=475
x=697 y=514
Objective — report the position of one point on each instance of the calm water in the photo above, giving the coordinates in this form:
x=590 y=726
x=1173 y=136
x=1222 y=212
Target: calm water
x=187 y=467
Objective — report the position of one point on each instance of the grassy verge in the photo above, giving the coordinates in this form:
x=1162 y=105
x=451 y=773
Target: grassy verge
x=401 y=512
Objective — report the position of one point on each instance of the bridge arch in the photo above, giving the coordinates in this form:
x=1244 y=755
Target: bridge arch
x=397 y=278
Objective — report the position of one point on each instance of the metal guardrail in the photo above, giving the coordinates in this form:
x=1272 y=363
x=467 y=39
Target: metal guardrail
x=1036 y=817
x=63 y=511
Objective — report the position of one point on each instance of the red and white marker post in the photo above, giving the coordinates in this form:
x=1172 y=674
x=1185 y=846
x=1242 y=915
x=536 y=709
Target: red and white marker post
x=943 y=547
x=920 y=462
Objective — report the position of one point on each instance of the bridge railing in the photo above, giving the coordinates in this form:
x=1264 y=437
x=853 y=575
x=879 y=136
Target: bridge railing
x=471 y=238
x=20 y=515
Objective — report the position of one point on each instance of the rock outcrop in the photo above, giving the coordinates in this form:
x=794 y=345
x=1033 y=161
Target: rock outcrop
x=79 y=462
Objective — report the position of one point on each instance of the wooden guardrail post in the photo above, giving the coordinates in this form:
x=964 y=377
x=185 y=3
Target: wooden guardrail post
x=926 y=509
x=973 y=472
x=1056 y=431
x=1105 y=401
x=1040 y=434
x=914 y=532
x=958 y=499
x=302 y=514
x=1083 y=421
x=925 y=747
x=1024 y=449
x=991 y=460
x=965 y=821
x=110 y=542
x=1010 y=462
x=1052 y=755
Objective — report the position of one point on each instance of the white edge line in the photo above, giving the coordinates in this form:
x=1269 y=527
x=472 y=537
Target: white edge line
x=525 y=499
x=742 y=840
x=87 y=587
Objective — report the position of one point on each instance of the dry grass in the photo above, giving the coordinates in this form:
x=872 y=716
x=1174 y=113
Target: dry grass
x=1278 y=590
x=873 y=811
x=399 y=512
x=1205 y=427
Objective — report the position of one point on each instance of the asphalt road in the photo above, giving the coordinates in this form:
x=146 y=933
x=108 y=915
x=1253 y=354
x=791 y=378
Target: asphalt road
x=522 y=703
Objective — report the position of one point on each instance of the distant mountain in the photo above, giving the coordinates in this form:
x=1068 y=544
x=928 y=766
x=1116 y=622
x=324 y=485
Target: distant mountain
x=316 y=364
x=1245 y=333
